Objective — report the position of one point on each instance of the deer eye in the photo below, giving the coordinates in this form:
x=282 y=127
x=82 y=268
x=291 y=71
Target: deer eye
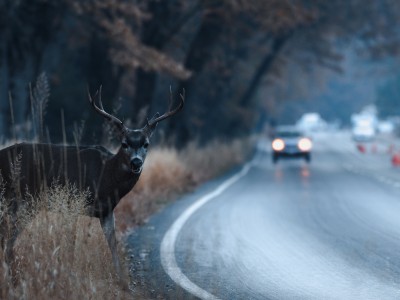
x=124 y=145
x=146 y=145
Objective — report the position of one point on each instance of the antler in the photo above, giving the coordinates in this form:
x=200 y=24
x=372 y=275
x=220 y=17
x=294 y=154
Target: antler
x=170 y=112
x=100 y=110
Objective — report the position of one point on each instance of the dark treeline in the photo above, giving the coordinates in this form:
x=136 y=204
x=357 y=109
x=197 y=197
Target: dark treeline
x=220 y=52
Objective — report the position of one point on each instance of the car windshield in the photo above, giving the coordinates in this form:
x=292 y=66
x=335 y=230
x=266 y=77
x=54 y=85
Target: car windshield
x=288 y=134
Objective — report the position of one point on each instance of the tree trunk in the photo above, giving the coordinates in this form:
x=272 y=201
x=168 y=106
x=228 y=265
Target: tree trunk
x=262 y=69
x=4 y=88
x=152 y=35
x=182 y=127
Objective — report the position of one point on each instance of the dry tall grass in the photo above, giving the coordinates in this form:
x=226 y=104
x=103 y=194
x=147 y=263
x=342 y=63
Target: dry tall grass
x=60 y=254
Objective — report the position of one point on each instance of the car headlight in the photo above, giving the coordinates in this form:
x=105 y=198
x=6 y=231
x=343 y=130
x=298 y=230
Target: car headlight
x=304 y=144
x=278 y=145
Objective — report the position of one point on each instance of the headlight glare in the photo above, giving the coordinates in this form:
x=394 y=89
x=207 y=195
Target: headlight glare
x=278 y=145
x=304 y=144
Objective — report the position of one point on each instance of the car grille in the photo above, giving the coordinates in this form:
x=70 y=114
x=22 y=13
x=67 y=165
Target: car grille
x=291 y=149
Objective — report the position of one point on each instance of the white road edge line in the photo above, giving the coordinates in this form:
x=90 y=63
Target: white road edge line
x=167 y=249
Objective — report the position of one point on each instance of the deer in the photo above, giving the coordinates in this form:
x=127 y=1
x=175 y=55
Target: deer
x=108 y=176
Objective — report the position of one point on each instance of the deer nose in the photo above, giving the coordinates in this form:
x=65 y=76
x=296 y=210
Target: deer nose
x=136 y=163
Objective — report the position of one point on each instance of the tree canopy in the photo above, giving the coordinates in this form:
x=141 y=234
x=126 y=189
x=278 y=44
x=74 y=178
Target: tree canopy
x=221 y=52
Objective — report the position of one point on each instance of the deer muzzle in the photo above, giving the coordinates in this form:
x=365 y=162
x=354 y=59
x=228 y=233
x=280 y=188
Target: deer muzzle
x=136 y=165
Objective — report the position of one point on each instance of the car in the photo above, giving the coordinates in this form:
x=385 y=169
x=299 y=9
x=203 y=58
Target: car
x=364 y=125
x=363 y=133
x=290 y=142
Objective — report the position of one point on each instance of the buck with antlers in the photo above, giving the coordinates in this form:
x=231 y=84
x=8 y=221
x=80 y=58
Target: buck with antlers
x=108 y=176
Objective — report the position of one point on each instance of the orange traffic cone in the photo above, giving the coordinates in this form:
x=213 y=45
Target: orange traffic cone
x=396 y=160
x=361 y=148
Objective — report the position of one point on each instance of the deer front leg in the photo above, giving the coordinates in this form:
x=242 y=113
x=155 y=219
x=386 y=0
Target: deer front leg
x=8 y=235
x=108 y=225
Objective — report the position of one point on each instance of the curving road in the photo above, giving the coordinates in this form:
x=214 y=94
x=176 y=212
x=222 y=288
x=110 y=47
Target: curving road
x=330 y=230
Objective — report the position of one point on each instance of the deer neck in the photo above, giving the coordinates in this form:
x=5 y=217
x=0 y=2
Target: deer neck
x=121 y=175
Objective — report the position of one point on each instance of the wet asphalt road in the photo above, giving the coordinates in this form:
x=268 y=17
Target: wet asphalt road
x=328 y=230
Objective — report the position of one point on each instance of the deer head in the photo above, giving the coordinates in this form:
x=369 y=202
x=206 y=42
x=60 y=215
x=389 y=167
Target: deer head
x=135 y=142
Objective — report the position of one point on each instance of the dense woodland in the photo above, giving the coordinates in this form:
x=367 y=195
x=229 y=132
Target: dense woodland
x=223 y=53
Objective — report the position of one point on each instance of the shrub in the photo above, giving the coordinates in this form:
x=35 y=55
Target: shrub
x=60 y=254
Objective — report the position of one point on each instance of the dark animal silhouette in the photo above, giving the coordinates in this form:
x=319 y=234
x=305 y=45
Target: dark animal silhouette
x=108 y=176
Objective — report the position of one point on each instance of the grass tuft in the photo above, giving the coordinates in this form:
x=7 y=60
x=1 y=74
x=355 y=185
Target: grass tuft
x=60 y=254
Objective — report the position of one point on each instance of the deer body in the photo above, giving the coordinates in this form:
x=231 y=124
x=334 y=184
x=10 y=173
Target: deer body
x=91 y=167
x=108 y=176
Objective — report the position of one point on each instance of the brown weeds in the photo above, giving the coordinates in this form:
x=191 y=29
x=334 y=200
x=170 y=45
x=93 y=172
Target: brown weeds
x=215 y=158
x=60 y=254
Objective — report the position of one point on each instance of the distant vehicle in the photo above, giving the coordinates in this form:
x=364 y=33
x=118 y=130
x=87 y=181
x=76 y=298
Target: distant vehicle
x=386 y=126
x=290 y=142
x=311 y=122
x=364 y=133
x=364 y=127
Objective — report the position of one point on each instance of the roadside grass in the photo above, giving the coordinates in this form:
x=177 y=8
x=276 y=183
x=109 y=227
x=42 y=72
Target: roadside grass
x=61 y=254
